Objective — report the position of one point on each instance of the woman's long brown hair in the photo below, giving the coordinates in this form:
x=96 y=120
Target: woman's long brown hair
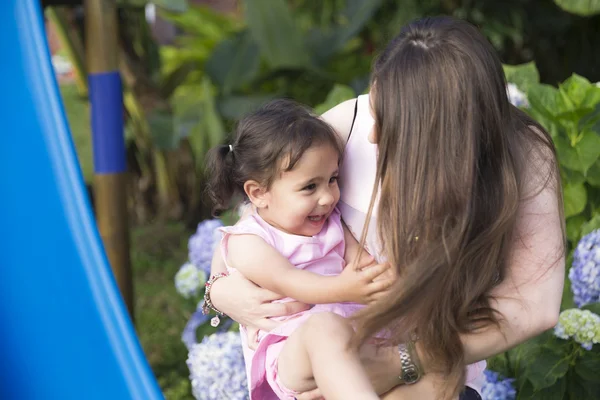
x=452 y=154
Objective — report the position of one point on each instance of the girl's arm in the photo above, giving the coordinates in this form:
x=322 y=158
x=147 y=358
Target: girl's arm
x=266 y=267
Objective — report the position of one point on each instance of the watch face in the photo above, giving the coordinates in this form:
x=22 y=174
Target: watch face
x=410 y=375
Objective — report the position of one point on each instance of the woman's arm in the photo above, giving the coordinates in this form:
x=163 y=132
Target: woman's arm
x=529 y=298
x=266 y=267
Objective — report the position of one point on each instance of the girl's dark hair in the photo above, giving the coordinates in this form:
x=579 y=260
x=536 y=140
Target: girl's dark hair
x=453 y=154
x=268 y=141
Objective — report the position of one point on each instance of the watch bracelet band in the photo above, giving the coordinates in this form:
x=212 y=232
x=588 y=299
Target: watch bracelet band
x=410 y=371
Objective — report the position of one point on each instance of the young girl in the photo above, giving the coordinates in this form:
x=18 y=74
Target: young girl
x=285 y=161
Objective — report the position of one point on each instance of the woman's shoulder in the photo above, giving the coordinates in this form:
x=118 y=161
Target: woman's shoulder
x=341 y=117
x=540 y=164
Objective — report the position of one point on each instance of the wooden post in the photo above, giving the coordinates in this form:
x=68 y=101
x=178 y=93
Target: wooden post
x=106 y=103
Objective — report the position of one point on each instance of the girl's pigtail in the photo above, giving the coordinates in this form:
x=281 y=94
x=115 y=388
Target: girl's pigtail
x=220 y=179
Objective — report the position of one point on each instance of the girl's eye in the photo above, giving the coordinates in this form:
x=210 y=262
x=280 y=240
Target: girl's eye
x=312 y=186
x=333 y=179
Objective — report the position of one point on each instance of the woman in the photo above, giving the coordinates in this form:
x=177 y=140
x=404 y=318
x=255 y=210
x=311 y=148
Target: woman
x=468 y=210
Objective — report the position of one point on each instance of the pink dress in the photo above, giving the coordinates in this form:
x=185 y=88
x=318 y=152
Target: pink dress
x=357 y=177
x=322 y=254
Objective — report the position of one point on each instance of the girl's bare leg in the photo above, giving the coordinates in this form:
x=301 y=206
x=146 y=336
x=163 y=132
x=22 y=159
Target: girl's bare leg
x=317 y=354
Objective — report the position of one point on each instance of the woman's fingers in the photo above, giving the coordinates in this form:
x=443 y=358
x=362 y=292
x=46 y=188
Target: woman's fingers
x=283 y=309
x=312 y=395
x=266 y=324
x=267 y=296
x=252 y=337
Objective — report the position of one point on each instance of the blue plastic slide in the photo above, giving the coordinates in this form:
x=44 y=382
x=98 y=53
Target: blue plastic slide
x=64 y=330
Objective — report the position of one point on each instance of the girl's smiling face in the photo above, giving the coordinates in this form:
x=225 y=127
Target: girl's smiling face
x=300 y=201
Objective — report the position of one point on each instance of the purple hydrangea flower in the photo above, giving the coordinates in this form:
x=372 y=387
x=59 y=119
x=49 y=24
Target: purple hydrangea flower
x=202 y=244
x=585 y=271
x=497 y=388
x=217 y=368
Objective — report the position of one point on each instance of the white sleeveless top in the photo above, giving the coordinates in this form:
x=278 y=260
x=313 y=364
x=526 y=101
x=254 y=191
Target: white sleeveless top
x=357 y=179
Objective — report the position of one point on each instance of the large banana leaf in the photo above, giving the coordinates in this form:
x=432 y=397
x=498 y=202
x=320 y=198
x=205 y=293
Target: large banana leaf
x=350 y=22
x=580 y=7
x=278 y=37
x=234 y=62
x=234 y=107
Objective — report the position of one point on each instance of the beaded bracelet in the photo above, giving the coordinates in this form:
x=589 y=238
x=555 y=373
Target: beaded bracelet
x=208 y=305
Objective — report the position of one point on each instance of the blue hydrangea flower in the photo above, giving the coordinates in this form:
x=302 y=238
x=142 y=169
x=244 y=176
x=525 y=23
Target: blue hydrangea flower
x=202 y=244
x=581 y=325
x=497 y=388
x=217 y=369
x=585 y=271
x=189 y=280
x=515 y=96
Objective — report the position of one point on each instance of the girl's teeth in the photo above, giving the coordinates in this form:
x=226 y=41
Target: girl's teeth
x=315 y=218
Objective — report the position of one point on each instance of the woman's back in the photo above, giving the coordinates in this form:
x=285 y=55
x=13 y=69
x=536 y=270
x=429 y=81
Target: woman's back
x=357 y=180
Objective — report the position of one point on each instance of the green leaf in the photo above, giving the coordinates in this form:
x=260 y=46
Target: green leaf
x=203 y=22
x=591 y=225
x=575 y=88
x=588 y=149
x=523 y=355
x=162 y=130
x=351 y=20
x=575 y=197
x=234 y=62
x=337 y=95
x=580 y=7
x=574 y=225
x=571 y=176
x=522 y=75
x=588 y=366
x=581 y=156
x=567 y=301
x=273 y=28
x=546 y=100
x=234 y=107
x=547 y=368
x=500 y=363
x=595 y=308
x=196 y=118
x=554 y=392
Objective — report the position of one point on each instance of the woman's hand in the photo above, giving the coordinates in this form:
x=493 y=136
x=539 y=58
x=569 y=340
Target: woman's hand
x=249 y=304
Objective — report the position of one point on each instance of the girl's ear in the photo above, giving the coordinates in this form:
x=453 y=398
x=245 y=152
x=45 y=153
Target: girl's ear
x=257 y=194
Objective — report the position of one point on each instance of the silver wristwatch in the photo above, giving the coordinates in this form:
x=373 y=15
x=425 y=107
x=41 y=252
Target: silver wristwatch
x=410 y=372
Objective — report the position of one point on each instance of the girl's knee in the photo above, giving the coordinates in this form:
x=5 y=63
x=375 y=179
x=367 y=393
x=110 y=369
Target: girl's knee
x=329 y=326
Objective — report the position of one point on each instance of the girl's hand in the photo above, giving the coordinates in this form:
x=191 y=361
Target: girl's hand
x=250 y=305
x=366 y=282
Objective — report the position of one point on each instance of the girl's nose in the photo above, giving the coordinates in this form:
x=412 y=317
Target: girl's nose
x=326 y=199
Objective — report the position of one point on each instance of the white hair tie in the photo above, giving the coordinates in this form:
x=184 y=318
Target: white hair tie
x=230 y=148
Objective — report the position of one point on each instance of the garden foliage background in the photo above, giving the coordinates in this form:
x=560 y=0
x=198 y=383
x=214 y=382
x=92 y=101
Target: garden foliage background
x=183 y=95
